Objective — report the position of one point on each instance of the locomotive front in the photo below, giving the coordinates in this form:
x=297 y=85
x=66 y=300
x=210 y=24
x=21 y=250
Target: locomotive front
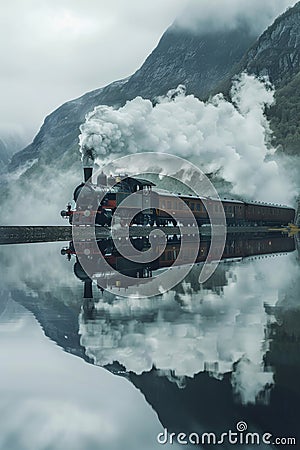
x=97 y=202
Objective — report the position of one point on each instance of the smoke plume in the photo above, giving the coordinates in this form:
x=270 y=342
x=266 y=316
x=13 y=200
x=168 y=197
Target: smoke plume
x=228 y=138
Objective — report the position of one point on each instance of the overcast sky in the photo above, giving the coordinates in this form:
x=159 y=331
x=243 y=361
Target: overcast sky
x=55 y=50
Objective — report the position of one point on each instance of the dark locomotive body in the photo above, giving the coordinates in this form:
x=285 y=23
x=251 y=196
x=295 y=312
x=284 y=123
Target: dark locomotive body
x=98 y=203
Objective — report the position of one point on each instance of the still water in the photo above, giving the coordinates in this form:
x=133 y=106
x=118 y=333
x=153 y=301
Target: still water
x=114 y=372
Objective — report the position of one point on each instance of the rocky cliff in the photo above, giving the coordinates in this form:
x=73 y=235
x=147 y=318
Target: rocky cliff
x=276 y=54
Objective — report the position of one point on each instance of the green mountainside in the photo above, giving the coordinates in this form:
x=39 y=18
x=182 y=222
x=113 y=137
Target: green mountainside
x=285 y=118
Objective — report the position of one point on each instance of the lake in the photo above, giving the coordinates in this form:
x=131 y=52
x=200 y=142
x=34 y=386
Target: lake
x=91 y=368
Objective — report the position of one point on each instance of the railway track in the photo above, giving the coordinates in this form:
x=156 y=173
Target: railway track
x=35 y=234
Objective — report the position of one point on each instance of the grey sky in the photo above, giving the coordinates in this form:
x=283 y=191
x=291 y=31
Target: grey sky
x=55 y=50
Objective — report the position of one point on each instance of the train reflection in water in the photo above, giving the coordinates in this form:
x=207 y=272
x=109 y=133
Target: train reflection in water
x=204 y=356
x=237 y=247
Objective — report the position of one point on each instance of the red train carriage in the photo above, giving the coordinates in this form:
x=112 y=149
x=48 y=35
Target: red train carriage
x=234 y=210
x=98 y=203
x=268 y=214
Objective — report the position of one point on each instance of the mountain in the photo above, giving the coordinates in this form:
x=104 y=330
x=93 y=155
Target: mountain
x=276 y=54
x=200 y=62
x=285 y=117
x=10 y=142
x=4 y=154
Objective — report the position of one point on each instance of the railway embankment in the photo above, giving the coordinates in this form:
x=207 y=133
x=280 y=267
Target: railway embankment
x=36 y=234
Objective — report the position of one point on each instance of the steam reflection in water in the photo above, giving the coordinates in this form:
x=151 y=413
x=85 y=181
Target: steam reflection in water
x=236 y=337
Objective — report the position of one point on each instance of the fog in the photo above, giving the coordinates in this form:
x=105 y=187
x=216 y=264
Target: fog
x=214 y=15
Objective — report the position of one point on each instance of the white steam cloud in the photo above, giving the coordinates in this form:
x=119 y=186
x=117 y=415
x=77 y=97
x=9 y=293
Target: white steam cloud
x=232 y=139
x=41 y=197
x=213 y=15
x=205 y=331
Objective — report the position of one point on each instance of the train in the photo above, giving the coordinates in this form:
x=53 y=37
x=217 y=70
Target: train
x=97 y=202
x=237 y=247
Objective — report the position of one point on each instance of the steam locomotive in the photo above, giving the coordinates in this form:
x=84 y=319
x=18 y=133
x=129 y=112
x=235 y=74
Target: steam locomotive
x=98 y=202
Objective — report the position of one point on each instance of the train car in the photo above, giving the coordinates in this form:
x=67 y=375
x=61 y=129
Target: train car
x=234 y=209
x=98 y=203
x=268 y=214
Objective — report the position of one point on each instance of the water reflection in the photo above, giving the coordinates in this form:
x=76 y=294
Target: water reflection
x=216 y=328
x=107 y=270
x=203 y=356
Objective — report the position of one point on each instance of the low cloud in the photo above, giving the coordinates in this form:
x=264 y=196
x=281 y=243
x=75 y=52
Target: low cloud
x=213 y=15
